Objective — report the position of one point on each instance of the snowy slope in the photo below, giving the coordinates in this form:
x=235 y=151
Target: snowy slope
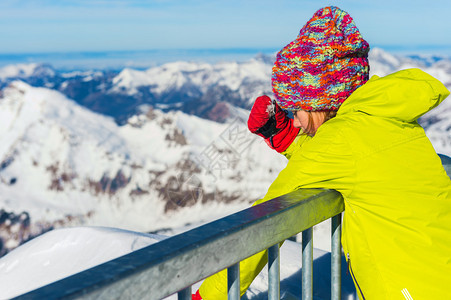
x=60 y=253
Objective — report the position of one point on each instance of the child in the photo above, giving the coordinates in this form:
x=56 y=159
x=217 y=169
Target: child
x=361 y=138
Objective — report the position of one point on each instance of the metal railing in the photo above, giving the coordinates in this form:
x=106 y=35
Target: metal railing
x=174 y=264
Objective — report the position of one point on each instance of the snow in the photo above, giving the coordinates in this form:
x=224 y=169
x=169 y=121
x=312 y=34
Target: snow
x=63 y=252
x=41 y=130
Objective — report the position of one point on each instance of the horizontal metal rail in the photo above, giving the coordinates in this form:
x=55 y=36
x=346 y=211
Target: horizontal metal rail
x=174 y=264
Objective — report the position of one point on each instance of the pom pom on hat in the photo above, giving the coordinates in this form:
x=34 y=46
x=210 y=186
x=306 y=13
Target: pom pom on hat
x=323 y=66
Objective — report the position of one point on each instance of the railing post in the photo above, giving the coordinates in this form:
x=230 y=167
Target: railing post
x=274 y=272
x=336 y=258
x=307 y=264
x=233 y=282
x=184 y=294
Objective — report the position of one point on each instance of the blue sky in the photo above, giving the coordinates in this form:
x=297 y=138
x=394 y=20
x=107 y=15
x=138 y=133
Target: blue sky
x=103 y=25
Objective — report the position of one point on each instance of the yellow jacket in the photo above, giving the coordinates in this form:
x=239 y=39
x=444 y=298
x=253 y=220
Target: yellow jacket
x=397 y=220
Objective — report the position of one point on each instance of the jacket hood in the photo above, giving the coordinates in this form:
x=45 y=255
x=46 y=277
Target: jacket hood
x=405 y=95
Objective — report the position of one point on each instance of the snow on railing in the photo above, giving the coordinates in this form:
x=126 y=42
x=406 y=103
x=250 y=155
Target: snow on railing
x=174 y=264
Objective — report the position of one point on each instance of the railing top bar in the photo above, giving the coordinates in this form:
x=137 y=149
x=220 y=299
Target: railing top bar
x=200 y=252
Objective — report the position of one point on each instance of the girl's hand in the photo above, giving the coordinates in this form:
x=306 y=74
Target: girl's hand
x=269 y=121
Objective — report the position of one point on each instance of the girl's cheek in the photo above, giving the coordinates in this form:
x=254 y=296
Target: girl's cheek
x=296 y=123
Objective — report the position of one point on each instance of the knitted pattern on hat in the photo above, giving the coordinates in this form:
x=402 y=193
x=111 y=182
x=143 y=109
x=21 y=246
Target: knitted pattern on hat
x=323 y=66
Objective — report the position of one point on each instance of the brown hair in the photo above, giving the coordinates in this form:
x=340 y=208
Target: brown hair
x=327 y=115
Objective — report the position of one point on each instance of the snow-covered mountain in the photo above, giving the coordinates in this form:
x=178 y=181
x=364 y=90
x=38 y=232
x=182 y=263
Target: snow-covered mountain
x=248 y=79
x=61 y=165
x=146 y=149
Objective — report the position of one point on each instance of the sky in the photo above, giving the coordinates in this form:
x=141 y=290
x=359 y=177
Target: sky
x=42 y=26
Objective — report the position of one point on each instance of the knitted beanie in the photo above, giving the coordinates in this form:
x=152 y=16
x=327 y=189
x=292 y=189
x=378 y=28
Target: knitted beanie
x=323 y=66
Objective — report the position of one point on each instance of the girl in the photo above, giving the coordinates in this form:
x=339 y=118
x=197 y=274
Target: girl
x=361 y=138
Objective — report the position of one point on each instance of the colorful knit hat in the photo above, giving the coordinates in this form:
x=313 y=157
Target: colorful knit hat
x=323 y=66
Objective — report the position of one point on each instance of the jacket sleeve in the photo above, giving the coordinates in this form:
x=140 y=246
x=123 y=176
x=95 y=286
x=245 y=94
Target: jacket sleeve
x=325 y=161
x=296 y=145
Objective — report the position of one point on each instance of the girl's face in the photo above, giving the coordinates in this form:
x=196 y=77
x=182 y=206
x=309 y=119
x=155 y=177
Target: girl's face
x=301 y=120
x=308 y=121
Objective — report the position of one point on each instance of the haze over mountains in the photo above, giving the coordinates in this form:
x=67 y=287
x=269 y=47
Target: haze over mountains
x=146 y=150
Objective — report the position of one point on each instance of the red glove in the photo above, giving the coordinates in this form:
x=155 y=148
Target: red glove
x=196 y=296
x=269 y=121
